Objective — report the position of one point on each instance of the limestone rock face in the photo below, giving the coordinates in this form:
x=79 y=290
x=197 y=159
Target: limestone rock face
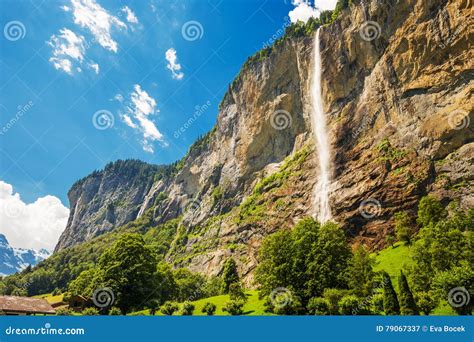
x=397 y=85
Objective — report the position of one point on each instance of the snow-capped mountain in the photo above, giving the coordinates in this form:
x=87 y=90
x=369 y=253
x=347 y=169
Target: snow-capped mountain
x=13 y=260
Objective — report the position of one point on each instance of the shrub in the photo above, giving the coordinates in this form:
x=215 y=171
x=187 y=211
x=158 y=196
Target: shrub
x=403 y=227
x=234 y=307
x=187 y=309
x=209 y=309
x=430 y=210
x=376 y=303
x=115 y=311
x=318 y=306
x=90 y=312
x=153 y=305
x=351 y=305
x=64 y=312
x=333 y=296
x=169 y=308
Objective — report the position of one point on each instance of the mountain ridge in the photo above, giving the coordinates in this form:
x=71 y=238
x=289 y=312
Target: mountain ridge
x=390 y=103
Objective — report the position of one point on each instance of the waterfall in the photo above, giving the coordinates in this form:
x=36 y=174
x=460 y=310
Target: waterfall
x=322 y=210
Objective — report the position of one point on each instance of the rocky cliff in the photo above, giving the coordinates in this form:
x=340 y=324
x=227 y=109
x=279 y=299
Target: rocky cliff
x=397 y=83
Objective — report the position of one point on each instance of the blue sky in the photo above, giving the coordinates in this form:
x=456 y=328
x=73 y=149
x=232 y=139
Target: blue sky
x=86 y=82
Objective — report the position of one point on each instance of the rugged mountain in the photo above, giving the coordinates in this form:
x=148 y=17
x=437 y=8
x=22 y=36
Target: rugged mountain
x=14 y=260
x=107 y=199
x=397 y=83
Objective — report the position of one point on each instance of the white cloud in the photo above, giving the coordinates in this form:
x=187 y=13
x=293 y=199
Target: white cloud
x=67 y=47
x=94 y=66
x=35 y=225
x=139 y=110
x=173 y=64
x=131 y=17
x=89 y=14
x=303 y=11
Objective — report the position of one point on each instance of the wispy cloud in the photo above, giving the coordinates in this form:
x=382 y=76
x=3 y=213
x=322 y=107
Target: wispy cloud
x=90 y=15
x=68 y=48
x=136 y=115
x=131 y=17
x=173 y=64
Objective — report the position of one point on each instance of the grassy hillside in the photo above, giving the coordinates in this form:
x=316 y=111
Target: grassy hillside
x=253 y=307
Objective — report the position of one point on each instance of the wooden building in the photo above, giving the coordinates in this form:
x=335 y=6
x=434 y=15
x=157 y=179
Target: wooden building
x=13 y=305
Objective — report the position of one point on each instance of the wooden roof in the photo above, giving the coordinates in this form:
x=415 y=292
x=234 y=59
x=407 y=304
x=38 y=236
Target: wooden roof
x=25 y=305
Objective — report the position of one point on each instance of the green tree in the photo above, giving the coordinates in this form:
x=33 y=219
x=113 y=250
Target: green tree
x=189 y=285
x=390 y=300
x=333 y=297
x=454 y=285
x=209 y=308
x=86 y=283
x=352 y=305
x=404 y=227
x=229 y=274
x=407 y=302
x=329 y=260
x=340 y=6
x=427 y=302
x=360 y=272
x=430 y=211
x=236 y=292
x=128 y=268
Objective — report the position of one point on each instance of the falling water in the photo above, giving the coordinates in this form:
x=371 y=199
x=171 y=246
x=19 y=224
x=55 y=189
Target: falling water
x=321 y=191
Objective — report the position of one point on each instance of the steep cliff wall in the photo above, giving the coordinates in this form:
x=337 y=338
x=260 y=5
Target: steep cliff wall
x=398 y=95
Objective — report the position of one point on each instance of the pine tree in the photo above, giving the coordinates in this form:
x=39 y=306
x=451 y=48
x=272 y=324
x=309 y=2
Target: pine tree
x=390 y=300
x=407 y=302
x=229 y=275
